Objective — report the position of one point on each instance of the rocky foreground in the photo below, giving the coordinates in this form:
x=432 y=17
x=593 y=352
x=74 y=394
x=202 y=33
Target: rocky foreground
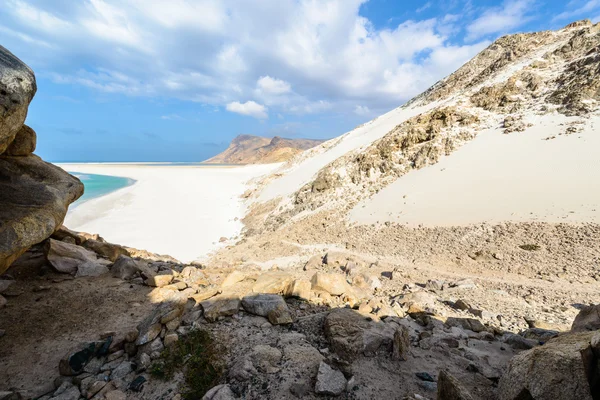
x=306 y=305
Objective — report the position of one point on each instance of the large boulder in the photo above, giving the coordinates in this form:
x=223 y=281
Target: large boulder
x=588 y=319
x=24 y=142
x=558 y=370
x=17 y=88
x=75 y=260
x=34 y=198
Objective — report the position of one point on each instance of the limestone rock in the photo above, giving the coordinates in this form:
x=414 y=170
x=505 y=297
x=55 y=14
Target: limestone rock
x=34 y=197
x=23 y=144
x=273 y=282
x=588 y=319
x=299 y=288
x=351 y=334
x=330 y=382
x=160 y=280
x=449 y=388
x=107 y=250
x=334 y=284
x=125 y=268
x=220 y=306
x=17 y=88
x=466 y=323
x=554 y=371
x=401 y=344
x=74 y=260
x=220 y=392
x=233 y=278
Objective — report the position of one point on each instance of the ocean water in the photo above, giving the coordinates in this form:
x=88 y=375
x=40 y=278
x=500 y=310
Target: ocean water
x=99 y=185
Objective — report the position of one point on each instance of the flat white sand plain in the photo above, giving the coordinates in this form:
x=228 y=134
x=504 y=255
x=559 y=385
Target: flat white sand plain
x=500 y=177
x=181 y=211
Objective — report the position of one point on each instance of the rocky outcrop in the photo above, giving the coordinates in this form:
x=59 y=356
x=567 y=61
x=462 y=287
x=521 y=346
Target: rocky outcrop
x=34 y=195
x=248 y=149
x=17 y=88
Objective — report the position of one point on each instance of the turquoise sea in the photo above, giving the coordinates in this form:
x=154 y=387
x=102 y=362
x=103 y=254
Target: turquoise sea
x=100 y=185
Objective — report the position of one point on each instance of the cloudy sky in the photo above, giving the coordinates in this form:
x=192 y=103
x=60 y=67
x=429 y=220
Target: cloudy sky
x=155 y=80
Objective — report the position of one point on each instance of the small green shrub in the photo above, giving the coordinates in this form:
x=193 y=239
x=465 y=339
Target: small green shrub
x=197 y=355
x=530 y=247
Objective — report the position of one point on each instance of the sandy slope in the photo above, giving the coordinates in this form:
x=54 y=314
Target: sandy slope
x=180 y=211
x=497 y=177
x=313 y=160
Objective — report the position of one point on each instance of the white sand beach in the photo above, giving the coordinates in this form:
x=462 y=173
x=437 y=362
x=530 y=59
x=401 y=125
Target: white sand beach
x=497 y=177
x=181 y=211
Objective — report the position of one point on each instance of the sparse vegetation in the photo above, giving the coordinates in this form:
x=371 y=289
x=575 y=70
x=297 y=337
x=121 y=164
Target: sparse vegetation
x=196 y=355
x=530 y=247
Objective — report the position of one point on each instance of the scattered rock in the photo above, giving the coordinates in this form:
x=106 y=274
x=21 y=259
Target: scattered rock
x=163 y=279
x=233 y=278
x=401 y=344
x=330 y=382
x=299 y=288
x=449 y=388
x=220 y=306
x=334 y=284
x=272 y=282
x=220 y=392
x=75 y=260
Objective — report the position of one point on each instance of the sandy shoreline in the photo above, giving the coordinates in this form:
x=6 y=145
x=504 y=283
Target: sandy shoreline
x=177 y=210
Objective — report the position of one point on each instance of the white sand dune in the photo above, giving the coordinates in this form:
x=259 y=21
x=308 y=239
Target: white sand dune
x=181 y=211
x=497 y=177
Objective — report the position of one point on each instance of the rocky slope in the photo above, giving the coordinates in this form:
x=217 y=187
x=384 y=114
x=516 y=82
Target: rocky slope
x=248 y=149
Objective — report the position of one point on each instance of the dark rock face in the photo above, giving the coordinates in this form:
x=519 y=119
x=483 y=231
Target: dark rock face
x=17 y=88
x=34 y=195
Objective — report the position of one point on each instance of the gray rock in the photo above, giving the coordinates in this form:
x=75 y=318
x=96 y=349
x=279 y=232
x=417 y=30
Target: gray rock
x=125 y=268
x=271 y=306
x=330 y=382
x=449 y=388
x=554 y=371
x=75 y=260
x=588 y=319
x=122 y=370
x=34 y=197
x=220 y=392
x=17 y=88
x=72 y=393
x=150 y=327
x=519 y=342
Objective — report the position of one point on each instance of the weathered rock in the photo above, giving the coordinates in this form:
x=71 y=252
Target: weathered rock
x=313 y=263
x=419 y=302
x=588 y=319
x=263 y=304
x=334 y=284
x=220 y=392
x=63 y=233
x=329 y=381
x=125 y=268
x=336 y=259
x=160 y=280
x=272 y=282
x=220 y=306
x=449 y=388
x=74 y=362
x=5 y=284
x=401 y=344
x=366 y=281
x=351 y=334
x=122 y=370
x=554 y=371
x=150 y=327
x=23 y=144
x=34 y=197
x=107 y=250
x=466 y=323
x=298 y=288
x=73 y=259
x=266 y=358
x=71 y=393
x=115 y=395
x=17 y=88
x=170 y=339
x=233 y=278
x=519 y=342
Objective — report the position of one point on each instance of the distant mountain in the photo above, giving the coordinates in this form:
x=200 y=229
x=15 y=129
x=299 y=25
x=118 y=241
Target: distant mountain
x=249 y=149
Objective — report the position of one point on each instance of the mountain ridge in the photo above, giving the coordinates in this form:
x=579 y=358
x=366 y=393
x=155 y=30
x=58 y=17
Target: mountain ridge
x=251 y=149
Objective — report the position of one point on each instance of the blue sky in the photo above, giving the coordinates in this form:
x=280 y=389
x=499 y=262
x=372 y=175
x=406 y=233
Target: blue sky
x=154 y=80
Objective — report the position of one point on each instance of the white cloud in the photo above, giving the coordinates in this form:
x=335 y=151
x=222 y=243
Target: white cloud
x=309 y=56
x=424 y=7
x=249 y=108
x=362 y=110
x=270 y=85
x=512 y=14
